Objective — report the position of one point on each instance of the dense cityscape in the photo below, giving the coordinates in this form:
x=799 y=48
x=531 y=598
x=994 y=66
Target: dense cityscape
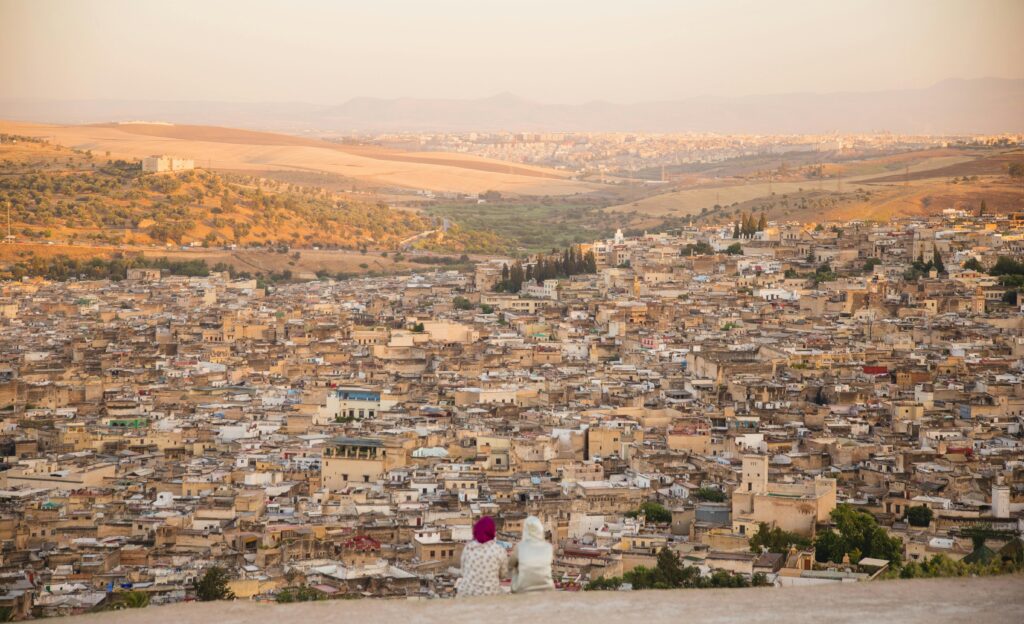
x=736 y=400
x=702 y=311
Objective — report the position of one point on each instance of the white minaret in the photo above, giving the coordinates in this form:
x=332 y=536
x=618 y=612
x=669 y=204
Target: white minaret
x=1000 y=499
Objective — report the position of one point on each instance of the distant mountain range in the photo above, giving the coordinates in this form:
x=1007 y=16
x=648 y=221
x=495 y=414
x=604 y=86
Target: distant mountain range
x=984 y=105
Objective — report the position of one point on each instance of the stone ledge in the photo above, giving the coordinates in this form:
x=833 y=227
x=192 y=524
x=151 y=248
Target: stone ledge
x=992 y=600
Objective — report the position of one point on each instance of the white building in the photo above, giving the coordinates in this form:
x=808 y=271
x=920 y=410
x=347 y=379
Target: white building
x=777 y=294
x=161 y=163
x=547 y=290
x=349 y=404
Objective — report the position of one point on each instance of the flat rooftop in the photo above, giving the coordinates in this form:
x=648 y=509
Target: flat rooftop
x=992 y=600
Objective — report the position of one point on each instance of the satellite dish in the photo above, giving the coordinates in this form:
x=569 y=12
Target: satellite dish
x=589 y=539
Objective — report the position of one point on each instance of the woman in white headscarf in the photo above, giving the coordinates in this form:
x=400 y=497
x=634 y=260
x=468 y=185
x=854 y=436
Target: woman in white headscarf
x=530 y=562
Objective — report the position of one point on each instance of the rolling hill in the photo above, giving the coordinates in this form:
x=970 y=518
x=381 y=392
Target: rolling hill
x=882 y=188
x=63 y=194
x=252 y=151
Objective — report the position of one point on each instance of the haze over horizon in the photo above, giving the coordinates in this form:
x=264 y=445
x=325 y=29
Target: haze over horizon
x=554 y=53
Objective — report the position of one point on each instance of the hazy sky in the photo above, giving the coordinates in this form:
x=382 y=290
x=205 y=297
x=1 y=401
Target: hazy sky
x=562 y=51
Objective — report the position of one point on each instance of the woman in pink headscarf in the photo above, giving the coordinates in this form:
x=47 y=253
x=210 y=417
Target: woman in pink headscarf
x=484 y=562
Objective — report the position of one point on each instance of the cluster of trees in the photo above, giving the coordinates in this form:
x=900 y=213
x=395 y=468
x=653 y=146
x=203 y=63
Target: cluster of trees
x=704 y=249
x=822 y=273
x=858 y=535
x=775 y=540
x=919 y=515
x=746 y=227
x=572 y=261
x=441 y=260
x=942 y=566
x=62 y=268
x=920 y=267
x=670 y=573
x=697 y=249
x=710 y=494
x=460 y=239
x=461 y=303
x=299 y=594
x=1009 y=271
x=654 y=512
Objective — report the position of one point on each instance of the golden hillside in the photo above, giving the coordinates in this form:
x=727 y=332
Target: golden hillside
x=57 y=193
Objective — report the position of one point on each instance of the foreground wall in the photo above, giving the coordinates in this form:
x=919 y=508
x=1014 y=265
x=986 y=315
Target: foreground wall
x=993 y=600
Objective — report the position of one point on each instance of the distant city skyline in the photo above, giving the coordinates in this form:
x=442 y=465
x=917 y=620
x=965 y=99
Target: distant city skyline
x=552 y=52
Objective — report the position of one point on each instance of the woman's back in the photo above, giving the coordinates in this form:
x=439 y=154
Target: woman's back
x=483 y=565
x=531 y=560
x=533 y=567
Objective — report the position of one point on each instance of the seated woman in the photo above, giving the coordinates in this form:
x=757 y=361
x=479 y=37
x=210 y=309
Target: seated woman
x=484 y=562
x=531 y=560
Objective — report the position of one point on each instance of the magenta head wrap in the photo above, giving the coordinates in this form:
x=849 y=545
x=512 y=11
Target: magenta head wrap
x=484 y=530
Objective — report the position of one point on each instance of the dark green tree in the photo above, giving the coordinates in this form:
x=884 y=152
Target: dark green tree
x=973 y=264
x=710 y=494
x=775 y=540
x=656 y=512
x=213 y=585
x=919 y=515
x=857 y=534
